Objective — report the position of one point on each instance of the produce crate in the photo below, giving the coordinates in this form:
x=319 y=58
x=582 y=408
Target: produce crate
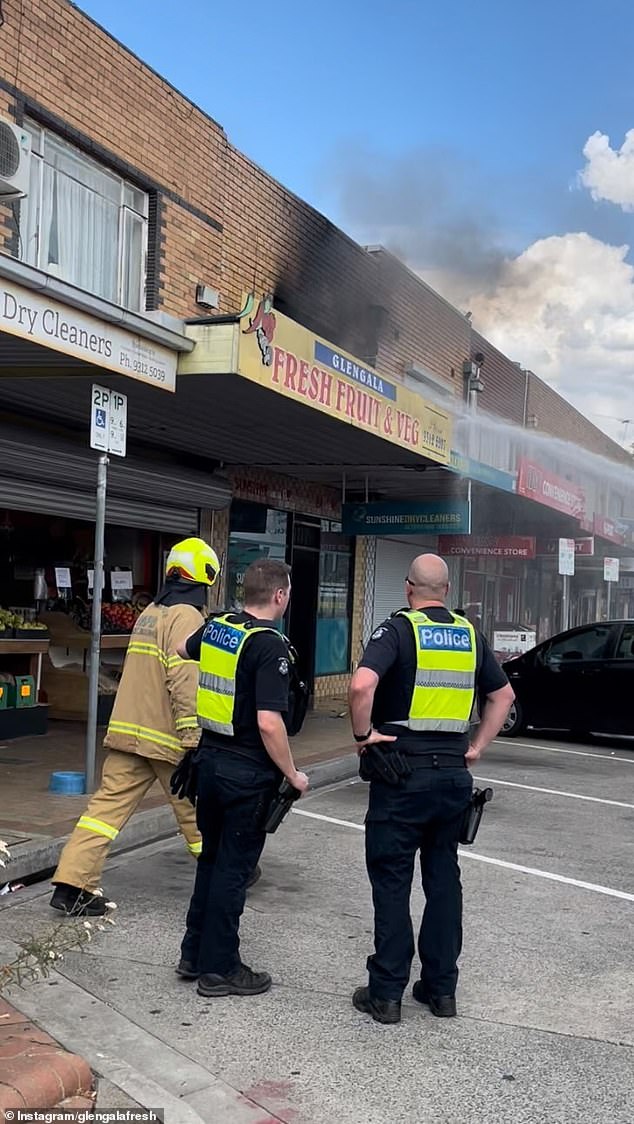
x=27 y=722
x=30 y=634
x=22 y=692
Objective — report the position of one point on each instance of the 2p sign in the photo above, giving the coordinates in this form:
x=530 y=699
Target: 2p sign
x=108 y=420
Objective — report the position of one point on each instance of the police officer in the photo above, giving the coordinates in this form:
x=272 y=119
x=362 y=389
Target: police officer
x=244 y=753
x=413 y=693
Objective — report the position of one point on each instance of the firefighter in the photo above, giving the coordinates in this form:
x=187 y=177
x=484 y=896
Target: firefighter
x=153 y=721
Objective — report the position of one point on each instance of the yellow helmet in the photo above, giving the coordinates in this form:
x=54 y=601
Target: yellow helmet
x=194 y=560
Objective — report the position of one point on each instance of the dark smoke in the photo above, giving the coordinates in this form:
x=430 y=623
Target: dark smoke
x=428 y=207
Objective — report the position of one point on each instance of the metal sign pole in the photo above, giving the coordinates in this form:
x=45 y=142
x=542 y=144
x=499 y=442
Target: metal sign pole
x=565 y=603
x=95 y=637
x=609 y=601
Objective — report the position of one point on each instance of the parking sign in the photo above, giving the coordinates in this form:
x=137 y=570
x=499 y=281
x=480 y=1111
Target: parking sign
x=108 y=420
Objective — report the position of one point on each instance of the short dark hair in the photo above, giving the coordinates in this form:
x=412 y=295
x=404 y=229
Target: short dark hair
x=262 y=579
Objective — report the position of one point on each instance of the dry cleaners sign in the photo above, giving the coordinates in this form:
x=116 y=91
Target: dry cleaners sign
x=31 y=316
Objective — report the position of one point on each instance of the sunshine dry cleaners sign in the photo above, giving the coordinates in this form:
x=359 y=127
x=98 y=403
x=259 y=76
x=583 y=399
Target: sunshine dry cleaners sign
x=31 y=316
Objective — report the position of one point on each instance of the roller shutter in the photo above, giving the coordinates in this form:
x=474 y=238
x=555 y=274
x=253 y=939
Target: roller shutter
x=44 y=473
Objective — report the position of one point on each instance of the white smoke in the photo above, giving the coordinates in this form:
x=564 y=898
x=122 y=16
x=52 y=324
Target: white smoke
x=565 y=309
x=609 y=172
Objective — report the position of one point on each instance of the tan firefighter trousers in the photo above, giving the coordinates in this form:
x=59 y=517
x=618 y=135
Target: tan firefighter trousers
x=125 y=780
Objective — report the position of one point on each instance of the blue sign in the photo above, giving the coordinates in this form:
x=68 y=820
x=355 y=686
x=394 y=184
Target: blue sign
x=353 y=370
x=442 y=517
x=483 y=473
x=439 y=639
x=222 y=636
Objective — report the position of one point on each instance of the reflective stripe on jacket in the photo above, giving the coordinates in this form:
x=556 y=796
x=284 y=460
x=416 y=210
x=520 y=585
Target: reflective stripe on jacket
x=154 y=712
x=222 y=645
x=444 y=688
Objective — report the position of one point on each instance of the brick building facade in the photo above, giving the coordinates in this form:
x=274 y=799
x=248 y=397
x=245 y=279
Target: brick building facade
x=212 y=216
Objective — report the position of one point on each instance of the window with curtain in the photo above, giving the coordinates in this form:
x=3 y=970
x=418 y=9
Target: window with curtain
x=83 y=223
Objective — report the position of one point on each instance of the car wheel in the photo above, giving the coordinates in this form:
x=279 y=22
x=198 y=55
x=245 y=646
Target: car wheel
x=514 y=723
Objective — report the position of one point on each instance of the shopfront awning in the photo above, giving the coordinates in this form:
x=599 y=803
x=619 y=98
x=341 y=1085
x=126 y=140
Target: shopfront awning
x=302 y=401
x=47 y=325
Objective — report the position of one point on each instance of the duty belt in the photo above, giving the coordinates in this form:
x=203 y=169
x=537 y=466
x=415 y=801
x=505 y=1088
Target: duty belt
x=427 y=760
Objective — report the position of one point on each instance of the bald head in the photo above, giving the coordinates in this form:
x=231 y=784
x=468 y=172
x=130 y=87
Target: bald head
x=428 y=579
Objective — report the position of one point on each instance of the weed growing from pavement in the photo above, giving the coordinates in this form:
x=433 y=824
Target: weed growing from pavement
x=41 y=952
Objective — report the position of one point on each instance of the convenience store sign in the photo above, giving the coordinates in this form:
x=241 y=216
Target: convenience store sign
x=33 y=317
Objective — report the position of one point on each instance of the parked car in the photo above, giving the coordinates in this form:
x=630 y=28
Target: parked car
x=581 y=680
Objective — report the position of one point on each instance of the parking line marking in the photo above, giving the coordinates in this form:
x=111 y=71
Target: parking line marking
x=556 y=749
x=547 y=874
x=556 y=792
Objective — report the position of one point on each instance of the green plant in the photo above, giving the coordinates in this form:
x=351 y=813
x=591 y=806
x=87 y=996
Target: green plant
x=40 y=952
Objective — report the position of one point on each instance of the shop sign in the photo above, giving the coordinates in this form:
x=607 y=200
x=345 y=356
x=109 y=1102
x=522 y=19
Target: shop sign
x=34 y=317
x=611 y=569
x=610 y=529
x=474 y=546
x=583 y=546
x=511 y=642
x=536 y=483
x=567 y=557
x=285 y=357
x=445 y=517
x=483 y=473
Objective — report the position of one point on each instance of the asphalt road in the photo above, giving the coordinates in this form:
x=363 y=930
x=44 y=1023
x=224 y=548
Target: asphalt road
x=546 y=1013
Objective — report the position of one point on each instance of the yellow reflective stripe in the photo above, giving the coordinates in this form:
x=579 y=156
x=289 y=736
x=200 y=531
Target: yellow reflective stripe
x=142 y=648
x=186 y=723
x=98 y=827
x=174 y=661
x=195 y=848
x=144 y=732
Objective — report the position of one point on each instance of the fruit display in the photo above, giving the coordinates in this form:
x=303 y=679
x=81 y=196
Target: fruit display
x=14 y=624
x=118 y=617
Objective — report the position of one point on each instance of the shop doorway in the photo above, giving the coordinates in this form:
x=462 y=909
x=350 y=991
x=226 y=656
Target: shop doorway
x=302 y=615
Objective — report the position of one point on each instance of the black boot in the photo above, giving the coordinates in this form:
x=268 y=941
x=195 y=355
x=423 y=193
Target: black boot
x=382 y=1010
x=442 y=1006
x=244 y=981
x=78 y=903
x=186 y=969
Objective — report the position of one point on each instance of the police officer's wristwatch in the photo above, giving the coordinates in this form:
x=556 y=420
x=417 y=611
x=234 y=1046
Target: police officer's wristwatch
x=359 y=738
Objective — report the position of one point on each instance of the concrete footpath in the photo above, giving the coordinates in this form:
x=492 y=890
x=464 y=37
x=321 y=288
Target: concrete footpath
x=35 y=824
x=545 y=1033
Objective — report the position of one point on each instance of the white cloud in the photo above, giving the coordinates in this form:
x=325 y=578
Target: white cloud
x=609 y=172
x=565 y=309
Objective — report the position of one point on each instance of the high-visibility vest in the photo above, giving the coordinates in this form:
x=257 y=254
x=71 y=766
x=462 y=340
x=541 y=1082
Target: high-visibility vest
x=444 y=687
x=221 y=647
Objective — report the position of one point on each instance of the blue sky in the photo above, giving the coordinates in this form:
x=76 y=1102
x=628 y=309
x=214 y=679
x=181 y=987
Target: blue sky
x=510 y=90
x=451 y=131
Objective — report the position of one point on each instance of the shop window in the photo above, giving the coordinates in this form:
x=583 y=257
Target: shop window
x=84 y=224
x=588 y=644
x=332 y=648
x=255 y=531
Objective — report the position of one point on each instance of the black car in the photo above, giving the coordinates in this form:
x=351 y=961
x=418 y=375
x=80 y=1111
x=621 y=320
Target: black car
x=581 y=680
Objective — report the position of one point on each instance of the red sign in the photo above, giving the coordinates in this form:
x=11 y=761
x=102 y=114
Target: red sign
x=544 y=487
x=582 y=546
x=511 y=546
x=608 y=529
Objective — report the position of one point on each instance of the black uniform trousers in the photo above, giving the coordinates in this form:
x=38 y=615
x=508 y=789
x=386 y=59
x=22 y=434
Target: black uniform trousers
x=233 y=794
x=424 y=813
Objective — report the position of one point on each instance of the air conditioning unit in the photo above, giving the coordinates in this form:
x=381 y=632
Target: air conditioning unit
x=15 y=160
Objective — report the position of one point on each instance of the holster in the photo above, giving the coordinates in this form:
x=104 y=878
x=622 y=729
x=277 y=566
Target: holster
x=184 y=779
x=389 y=766
x=473 y=814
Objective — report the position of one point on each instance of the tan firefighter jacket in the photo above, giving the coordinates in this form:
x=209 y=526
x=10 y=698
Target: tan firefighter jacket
x=154 y=712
